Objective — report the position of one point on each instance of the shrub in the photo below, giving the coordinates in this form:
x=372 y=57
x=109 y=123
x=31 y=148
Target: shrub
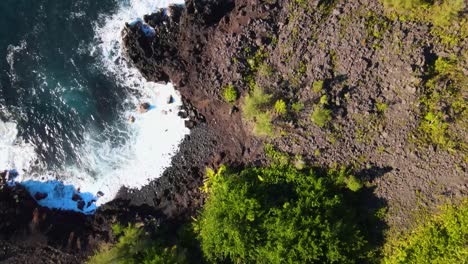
x=255 y=109
x=353 y=183
x=265 y=70
x=297 y=107
x=443 y=106
x=230 y=94
x=321 y=116
x=441 y=14
x=441 y=239
x=280 y=214
x=280 y=107
x=135 y=246
x=263 y=125
x=317 y=86
x=256 y=102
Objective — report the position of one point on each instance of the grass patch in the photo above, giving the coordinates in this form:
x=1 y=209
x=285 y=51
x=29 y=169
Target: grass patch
x=280 y=107
x=321 y=116
x=443 y=107
x=440 y=239
x=230 y=94
x=440 y=13
x=136 y=245
x=317 y=86
x=256 y=109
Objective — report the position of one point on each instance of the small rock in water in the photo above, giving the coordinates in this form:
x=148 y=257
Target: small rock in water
x=40 y=196
x=80 y=204
x=170 y=99
x=76 y=197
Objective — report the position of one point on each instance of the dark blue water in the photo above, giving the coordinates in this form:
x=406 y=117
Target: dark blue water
x=50 y=84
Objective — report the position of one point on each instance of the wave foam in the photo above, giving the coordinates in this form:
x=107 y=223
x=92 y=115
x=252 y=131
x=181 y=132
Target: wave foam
x=143 y=149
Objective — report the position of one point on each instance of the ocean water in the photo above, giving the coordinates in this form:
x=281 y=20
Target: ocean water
x=66 y=94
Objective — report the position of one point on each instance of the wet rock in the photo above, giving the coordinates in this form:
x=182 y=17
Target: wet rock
x=190 y=124
x=40 y=196
x=76 y=197
x=80 y=204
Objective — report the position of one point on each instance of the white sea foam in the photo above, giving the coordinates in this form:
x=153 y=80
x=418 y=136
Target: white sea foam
x=15 y=153
x=105 y=166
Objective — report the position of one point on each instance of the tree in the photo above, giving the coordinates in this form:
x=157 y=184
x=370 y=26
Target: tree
x=280 y=214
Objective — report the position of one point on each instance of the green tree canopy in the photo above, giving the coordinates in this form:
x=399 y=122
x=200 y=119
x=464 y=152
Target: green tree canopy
x=280 y=214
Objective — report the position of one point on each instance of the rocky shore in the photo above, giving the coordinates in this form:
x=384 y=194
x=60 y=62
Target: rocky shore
x=369 y=67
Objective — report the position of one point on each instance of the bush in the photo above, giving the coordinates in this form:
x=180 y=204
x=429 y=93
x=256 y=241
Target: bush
x=255 y=109
x=317 y=86
x=230 y=94
x=442 y=239
x=280 y=107
x=280 y=214
x=321 y=116
x=297 y=107
x=135 y=246
x=441 y=14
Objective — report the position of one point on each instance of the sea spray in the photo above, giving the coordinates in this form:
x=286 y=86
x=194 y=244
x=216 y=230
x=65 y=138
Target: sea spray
x=124 y=153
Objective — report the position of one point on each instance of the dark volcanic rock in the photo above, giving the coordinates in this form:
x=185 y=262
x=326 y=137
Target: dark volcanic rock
x=40 y=196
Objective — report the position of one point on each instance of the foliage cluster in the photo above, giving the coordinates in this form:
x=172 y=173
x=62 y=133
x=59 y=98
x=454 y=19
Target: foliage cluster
x=256 y=108
x=280 y=214
x=135 y=246
x=440 y=13
x=230 y=94
x=280 y=107
x=441 y=239
x=443 y=105
x=321 y=115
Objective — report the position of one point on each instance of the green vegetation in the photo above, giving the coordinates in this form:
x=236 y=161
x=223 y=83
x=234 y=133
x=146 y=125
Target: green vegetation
x=230 y=94
x=443 y=106
x=440 y=13
x=321 y=116
x=297 y=107
x=450 y=28
x=265 y=70
x=440 y=239
x=256 y=109
x=136 y=246
x=280 y=214
x=381 y=108
x=317 y=86
x=280 y=107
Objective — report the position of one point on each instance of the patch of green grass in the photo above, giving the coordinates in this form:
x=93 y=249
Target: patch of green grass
x=317 y=86
x=321 y=116
x=353 y=183
x=265 y=70
x=381 y=108
x=440 y=239
x=440 y=13
x=137 y=246
x=297 y=107
x=443 y=107
x=230 y=94
x=275 y=156
x=280 y=107
x=376 y=26
x=256 y=109
x=323 y=100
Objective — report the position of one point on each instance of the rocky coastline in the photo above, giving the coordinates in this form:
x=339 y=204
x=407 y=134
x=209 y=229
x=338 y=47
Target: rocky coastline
x=206 y=45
